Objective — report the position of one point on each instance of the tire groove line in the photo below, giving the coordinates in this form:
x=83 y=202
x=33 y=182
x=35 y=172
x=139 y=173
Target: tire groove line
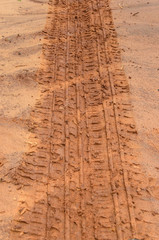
x=80 y=152
x=91 y=226
x=78 y=130
x=51 y=133
x=73 y=171
x=89 y=233
x=56 y=215
x=75 y=139
x=47 y=190
x=66 y=177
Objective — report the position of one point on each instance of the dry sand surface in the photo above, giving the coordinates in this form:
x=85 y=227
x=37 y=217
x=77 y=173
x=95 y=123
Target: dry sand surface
x=137 y=25
x=21 y=25
x=72 y=165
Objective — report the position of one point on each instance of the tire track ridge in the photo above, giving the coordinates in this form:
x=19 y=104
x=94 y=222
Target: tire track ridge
x=80 y=148
x=125 y=178
x=110 y=160
x=92 y=228
x=93 y=105
x=86 y=233
x=66 y=156
x=52 y=109
x=47 y=188
x=51 y=130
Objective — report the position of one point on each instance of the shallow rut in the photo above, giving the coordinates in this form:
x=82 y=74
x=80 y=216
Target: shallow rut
x=76 y=181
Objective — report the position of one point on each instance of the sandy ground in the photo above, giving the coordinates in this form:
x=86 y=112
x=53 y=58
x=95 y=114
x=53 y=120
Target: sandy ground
x=74 y=200
x=21 y=25
x=137 y=26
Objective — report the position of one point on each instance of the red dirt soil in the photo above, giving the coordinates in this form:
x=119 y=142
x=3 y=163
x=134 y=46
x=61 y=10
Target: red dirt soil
x=81 y=178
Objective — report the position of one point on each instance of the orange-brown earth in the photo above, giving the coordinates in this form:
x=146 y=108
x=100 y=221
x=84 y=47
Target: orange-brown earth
x=70 y=166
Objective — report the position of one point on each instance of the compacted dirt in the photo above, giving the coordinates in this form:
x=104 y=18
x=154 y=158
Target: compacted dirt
x=81 y=178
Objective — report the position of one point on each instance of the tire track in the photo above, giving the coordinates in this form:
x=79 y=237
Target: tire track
x=122 y=158
x=125 y=181
x=49 y=164
x=101 y=223
x=75 y=180
x=57 y=200
x=75 y=170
